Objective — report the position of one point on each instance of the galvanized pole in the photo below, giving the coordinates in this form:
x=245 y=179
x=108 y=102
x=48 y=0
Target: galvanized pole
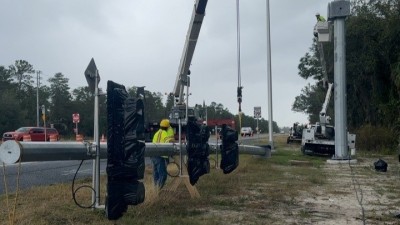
x=37 y=97
x=216 y=151
x=44 y=121
x=13 y=151
x=257 y=130
x=341 y=151
x=269 y=80
x=180 y=146
x=96 y=161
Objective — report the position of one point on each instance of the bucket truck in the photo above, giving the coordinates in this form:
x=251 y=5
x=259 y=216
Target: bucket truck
x=319 y=138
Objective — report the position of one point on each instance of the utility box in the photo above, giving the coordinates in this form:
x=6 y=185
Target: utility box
x=337 y=9
x=324 y=31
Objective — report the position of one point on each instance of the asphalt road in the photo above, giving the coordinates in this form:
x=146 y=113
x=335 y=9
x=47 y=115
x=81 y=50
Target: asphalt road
x=52 y=172
x=45 y=173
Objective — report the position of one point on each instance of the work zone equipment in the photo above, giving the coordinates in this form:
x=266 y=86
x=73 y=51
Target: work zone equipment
x=125 y=151
x=229 y=150
x=197 y=149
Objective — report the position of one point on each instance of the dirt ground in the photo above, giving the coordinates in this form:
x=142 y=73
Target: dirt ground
x=354 y=194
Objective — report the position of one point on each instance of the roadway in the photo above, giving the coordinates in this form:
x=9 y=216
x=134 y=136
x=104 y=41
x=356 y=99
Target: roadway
x=52 y=172
x=45 y=173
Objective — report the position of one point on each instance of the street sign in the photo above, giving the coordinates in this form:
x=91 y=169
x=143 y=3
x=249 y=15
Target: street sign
x=92 y=75
x=257 y=112
x=75 y=118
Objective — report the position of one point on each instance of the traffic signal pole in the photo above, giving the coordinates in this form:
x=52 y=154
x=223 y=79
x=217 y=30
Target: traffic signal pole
x=269 y=79
x=338 y=11
x=96 y=161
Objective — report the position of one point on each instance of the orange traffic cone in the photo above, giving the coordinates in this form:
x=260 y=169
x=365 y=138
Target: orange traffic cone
x=102 y=138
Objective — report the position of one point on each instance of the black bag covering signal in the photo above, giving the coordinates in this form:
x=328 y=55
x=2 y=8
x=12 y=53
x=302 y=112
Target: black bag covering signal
x=125 y=151
x=197 y=149
x=229 y=149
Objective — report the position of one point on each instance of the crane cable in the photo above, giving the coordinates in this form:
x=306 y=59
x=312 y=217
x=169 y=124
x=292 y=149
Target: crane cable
x=239 y=88
x=11 y=214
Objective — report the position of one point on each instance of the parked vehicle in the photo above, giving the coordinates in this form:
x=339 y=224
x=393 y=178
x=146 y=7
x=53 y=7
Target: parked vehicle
x=35 y=133
x=246 y=131
x=295 y=133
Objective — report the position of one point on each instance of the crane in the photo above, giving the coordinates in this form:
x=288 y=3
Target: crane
x=323 y=118
x=180 y=109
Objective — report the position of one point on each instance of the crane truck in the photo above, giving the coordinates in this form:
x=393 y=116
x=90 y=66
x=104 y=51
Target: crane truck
x=180 y=111
x=319 y=138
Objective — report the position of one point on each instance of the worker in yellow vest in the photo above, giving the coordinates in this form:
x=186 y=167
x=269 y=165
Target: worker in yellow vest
x=170 y=132
x=320 y=18
x=160 y=162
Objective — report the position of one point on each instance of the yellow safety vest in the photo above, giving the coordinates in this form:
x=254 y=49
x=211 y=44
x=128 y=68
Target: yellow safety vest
x=161 y=136
x=171 y=135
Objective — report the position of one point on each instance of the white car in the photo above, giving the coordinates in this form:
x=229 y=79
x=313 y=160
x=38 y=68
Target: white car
x=246 y=131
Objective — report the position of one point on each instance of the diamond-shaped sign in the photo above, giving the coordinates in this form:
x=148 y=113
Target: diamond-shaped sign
x=90 y=73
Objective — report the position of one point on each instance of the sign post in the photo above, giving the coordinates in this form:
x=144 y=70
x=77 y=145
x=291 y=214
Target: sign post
x=257 y=115
x=76 y=120
x=93 y=79
x=44 y=121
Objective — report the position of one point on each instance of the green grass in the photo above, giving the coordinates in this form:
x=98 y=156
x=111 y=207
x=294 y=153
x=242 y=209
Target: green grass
x=259 y=191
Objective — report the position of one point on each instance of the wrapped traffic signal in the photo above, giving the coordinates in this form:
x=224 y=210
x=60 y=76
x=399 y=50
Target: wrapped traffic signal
x=197 y=149
x=125 y=151
x=229 y=149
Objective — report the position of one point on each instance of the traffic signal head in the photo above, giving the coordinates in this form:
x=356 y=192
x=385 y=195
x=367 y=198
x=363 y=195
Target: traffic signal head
x=197 y=149
x=229 y=149
x=125 y=151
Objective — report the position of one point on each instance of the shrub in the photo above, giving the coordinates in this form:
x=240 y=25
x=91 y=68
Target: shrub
x=376 y=138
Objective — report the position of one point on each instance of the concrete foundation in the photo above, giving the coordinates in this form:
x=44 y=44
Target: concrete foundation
x=341 y=161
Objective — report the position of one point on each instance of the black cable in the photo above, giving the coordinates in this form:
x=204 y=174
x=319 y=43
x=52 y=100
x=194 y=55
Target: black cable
x=359 y=198
x=80 y=187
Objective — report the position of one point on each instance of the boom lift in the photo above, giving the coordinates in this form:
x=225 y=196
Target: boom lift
x=319 y=138
x=180 y=110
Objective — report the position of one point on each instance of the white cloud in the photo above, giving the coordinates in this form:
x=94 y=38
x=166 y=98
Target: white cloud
x=139 y=43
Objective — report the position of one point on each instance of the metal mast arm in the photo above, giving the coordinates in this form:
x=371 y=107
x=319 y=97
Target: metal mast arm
x=323 y=63
x=188 y=50
x=322 y=115
x=323 y=118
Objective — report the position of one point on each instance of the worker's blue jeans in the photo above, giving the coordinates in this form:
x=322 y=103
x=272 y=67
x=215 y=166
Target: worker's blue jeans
x=159 y=171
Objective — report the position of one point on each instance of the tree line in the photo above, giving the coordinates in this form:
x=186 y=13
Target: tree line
x=373 y=71
x=18 y=94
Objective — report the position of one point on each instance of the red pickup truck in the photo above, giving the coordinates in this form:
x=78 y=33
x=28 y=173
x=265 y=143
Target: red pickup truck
x=36 y=134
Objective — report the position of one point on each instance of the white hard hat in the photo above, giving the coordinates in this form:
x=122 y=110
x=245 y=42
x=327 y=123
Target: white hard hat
x=317 y=14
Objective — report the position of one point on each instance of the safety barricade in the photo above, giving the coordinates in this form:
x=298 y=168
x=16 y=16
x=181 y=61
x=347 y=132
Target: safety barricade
x=53 y=137
x=26 y=137
x=79 y=137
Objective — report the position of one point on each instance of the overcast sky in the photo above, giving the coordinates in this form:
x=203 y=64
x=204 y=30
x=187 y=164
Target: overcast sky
x=140 y=42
